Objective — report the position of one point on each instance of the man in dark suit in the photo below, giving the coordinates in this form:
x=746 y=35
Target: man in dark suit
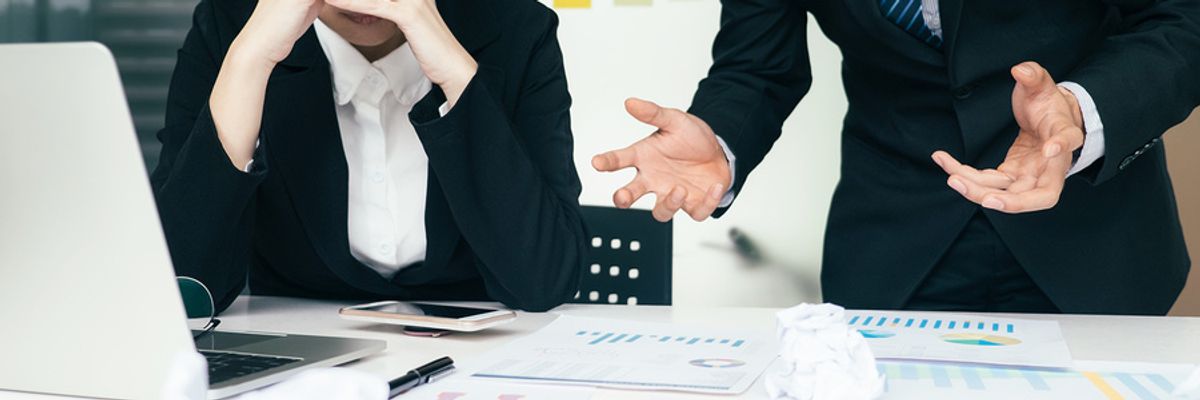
x=1078 y=214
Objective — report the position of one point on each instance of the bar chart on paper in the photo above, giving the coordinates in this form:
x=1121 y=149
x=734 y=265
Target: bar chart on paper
x=1088 y=380
x=629 y=355
x=595 y=338
x=961 y=338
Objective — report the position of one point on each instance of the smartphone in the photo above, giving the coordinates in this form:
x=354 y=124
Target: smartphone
x=429 y=315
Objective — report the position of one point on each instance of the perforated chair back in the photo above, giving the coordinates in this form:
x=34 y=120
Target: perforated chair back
x=628 y=259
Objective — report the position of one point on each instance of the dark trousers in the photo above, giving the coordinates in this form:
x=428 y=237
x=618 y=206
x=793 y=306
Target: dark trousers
x=979 y=273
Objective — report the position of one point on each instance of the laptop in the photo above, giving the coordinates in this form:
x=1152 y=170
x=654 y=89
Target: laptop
x=89 y=305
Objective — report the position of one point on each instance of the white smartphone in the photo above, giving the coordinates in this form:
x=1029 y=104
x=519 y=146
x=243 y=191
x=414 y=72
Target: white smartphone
x=429 y=315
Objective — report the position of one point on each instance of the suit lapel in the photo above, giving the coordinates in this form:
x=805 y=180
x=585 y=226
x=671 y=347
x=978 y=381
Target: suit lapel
x=471 y=22
x=951 y=14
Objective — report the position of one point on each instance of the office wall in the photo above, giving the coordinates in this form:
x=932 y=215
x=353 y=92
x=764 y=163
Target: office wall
x=1183 y=142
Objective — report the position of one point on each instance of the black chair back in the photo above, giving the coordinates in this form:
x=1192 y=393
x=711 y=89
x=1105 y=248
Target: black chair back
x=628 y=258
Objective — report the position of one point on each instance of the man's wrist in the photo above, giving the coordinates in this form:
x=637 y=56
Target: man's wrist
x=1076 y=109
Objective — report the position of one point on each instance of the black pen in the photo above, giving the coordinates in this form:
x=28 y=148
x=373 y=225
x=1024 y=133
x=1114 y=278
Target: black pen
x=420 y=376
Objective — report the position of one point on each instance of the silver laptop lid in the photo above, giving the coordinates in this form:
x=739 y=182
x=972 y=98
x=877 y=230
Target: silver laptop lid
x=88 y=300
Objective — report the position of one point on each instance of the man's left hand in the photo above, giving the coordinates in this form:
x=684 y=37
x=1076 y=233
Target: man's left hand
x=1035 y=169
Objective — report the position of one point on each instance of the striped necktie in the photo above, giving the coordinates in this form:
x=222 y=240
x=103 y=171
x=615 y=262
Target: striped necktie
x=907 y=14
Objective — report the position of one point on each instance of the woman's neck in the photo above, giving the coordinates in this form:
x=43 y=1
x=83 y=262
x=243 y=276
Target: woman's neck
x=374 y=53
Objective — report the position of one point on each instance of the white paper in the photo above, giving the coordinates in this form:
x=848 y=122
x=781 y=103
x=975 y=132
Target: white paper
x=962 y=338
x=473 y=389
x=1086 y=380
x=633 y=355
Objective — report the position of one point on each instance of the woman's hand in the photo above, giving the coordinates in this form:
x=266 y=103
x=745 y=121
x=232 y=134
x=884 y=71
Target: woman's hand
x=442 y=58
x=274 y=28
x=240 y=90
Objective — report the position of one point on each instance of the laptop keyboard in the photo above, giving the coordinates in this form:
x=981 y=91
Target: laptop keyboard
x=223 y=365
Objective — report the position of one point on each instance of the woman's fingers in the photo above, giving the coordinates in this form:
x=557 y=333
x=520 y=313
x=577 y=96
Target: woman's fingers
x=379 y=8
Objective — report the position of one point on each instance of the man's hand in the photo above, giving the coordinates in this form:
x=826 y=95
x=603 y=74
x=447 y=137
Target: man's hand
x=681 y=163
x=1032 y=175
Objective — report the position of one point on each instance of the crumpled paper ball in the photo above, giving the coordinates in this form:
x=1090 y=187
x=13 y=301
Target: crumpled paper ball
x=822 y=357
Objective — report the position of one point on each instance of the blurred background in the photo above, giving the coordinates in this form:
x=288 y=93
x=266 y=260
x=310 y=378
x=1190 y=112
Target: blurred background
x=654 y=49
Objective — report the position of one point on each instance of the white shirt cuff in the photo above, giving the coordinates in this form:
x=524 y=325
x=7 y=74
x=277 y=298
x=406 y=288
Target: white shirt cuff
x=727 y=200
x=250 y=163
x=1093 y=139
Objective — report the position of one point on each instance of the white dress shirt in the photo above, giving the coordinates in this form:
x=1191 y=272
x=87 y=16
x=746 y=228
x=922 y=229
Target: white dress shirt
x=388 y=168
x=1093 y=143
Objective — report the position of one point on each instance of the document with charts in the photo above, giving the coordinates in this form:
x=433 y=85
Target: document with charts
x=962 y=338
x=634 y=355
x=1085 y=380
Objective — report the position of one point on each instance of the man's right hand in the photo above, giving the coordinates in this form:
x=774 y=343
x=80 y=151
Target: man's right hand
x=682 y=163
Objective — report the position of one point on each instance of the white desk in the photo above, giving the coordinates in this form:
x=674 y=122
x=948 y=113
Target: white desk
x=1089 y=337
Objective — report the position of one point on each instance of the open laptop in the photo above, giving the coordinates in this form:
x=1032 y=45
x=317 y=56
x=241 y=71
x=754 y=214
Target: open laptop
x=88 y=300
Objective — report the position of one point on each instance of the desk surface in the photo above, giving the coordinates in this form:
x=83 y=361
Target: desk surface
x=1089 y=337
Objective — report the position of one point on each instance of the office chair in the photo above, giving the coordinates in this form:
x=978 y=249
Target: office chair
x=628 y=259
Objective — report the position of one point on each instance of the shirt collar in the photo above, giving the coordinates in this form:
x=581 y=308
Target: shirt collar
x=349 y=68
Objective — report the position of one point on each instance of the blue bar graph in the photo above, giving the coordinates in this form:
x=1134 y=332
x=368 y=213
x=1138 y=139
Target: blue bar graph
x=1035 y=380
x=971 y=377
x=601 y=338
x=1052 y=382
x=886 y=321
x=596 y=338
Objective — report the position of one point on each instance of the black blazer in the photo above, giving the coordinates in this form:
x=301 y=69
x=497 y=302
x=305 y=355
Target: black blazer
x=1112 y=245
x=502 y=213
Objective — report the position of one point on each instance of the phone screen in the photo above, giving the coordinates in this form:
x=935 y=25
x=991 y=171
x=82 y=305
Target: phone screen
x=432 y=310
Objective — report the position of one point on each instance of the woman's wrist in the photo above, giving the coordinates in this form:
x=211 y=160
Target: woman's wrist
x=447 y=64
x=246 y=56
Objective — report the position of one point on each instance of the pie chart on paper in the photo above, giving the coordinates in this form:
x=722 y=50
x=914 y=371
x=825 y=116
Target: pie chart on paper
x=979 y=339
x=875 y=334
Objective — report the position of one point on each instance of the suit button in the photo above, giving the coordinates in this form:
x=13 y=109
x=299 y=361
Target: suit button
x=1125 y=162
x=962 y=93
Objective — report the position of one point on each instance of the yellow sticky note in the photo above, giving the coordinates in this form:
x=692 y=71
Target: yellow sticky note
x=572 y=3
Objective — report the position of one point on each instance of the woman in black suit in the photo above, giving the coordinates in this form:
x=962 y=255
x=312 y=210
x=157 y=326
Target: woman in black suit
x=370 y=149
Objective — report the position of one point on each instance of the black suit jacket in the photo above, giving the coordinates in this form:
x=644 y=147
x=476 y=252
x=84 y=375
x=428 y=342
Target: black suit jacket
x=1112 y=245
x=502 y=213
